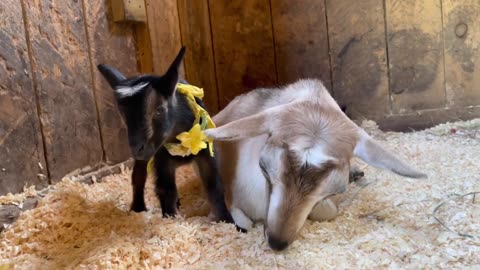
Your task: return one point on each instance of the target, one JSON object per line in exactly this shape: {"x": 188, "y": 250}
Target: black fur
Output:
{"x": 166, "y": 125}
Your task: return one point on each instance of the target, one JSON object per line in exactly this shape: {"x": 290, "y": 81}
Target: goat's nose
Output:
{"x": 276, "y": 243}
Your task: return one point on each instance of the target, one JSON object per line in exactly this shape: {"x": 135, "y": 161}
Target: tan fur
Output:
{"x": 291, "y": 149}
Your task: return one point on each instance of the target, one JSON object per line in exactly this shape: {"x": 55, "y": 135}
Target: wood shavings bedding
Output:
{"x": 386, "y": 224}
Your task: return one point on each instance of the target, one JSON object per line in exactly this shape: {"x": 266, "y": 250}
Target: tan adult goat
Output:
{"x": 284, "y": 154}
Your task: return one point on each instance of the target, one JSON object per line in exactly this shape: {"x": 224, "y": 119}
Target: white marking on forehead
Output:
{"x": 316, "y": 155}
{"x": 127, "y": 91}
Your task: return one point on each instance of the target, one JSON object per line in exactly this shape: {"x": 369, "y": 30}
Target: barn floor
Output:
{"x": 386, "y": 223}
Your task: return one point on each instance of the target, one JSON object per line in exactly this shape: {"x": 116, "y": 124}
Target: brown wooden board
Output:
{"x": 64, "y": 85}
{"x": 243, "y": 46}
{"x": 112, "y": 44}
{"x": 358, "y": 56}
{"x": 196, "y": 36}
{"x": 301, "y": 40}
{"x": 21, "y": 147}
{"x": 143, "y": 48}
{"x": 461, "y": 26}
{"x": 427, "y": 118}
{"x": 415, "y": 51}
{"x": 164, "y": 29}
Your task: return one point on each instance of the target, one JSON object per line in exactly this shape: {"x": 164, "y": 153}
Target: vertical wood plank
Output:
{"x": 243, "y": 46}
{"x": 64, "y": 84}
{"x": 164, "y": 30}
{"x": 110, "y": 43}
{"x": 415, "y": 50}
{"x": 21, "y": 146}
{"x": 143, "y": 48}
{"x": 462, "y": 52}
{"x": 301, "y": 40}
{"x": 358, "y": 56}
{"x": 196, "y": 36}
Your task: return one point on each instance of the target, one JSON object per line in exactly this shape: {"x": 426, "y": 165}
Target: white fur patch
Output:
{"x": 315, "y": 155}
{"x": 125, "y": 91}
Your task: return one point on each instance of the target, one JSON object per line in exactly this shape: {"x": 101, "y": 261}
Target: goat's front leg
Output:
{"x": 207, "y": 168}
{"x": 139, "y": 176}
{"x": 165, "y": 185}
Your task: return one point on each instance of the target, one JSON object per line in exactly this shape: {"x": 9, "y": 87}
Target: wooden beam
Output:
{"x": 427, "y": 118}
{"x": 129, "y": 11}
{"x": 415, "y": 51}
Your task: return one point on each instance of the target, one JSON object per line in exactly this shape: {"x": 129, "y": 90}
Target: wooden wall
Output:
{"x": 406, "y": 64}
{"x": 56, "y": 113}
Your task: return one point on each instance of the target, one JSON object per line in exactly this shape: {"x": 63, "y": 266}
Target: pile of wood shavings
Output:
{"x": 386, "y": 224}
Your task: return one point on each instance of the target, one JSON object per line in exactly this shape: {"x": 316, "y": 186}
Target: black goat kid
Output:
{"x": 155, "y": 113}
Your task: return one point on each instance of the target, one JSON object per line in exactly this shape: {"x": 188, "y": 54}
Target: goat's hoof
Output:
{"x": 169, "y": 214}
{"x": 138, "y": 208}
{"x": 240, "y": 229}
{"x": 356, "y": 175}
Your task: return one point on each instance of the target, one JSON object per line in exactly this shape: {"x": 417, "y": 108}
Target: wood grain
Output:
{"x": 164, "y": 30}
{"x": 358, "y": 56}
{"x": 426, "y": 119}
{"x": 301, "y": 40}
{"x": 415, "y": 50}
{"x": 112, "y": 44}
{"x": 21, "y": 147}
{"x": 64, "y": 84}
{"x": 243, "y": 46}
{"x": 196, "y": 36}
{"x": 462, "y": 52}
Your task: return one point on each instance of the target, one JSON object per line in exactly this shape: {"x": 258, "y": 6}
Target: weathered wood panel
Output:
{"x": 110, "y": 43}
{"x": 196, "y": 36}
{"x": 143, "y": 48}
{"x": 461, "y": 21}
{"x": 301, "y": 40}
{"x": 415, "y": 51}
{"x": 358, "y": 56}
{"x": 164, "y": 29}
{"x": 428, "y": 118}
{"x": 243, "y": 46}
{"x": 21, "y": 147}
{"x": 64, "y": 84}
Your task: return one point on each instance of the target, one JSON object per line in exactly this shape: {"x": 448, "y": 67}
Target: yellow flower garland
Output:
{"x": 194, "y": 140}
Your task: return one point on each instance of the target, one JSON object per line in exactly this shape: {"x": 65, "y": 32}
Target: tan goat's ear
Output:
{"x": 374, "y": 154}
{"x": 251, "y": 126}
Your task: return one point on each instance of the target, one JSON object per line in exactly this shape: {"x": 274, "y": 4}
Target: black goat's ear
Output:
{"x": 112, "y": 75}
{"x": 171, "y": 77}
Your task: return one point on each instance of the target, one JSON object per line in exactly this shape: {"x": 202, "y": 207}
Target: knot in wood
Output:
{"x": 461, "y": 30}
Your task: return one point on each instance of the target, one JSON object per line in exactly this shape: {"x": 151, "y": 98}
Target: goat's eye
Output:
{"x": 158, "y": 112}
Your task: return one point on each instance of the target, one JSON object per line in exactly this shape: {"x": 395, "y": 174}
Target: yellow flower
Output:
{"x": 195, "y": 139}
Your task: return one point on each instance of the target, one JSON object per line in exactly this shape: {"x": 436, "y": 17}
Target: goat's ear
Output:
{"x": 171, "y": 77}
{"x": 251, "y": 126}
{"x": 374, "y": 154}
{"x": 112, "y": 75}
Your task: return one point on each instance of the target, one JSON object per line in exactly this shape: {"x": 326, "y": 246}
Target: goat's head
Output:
{"x": 306, "y": 158}
{"x": 146, "y": 103}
